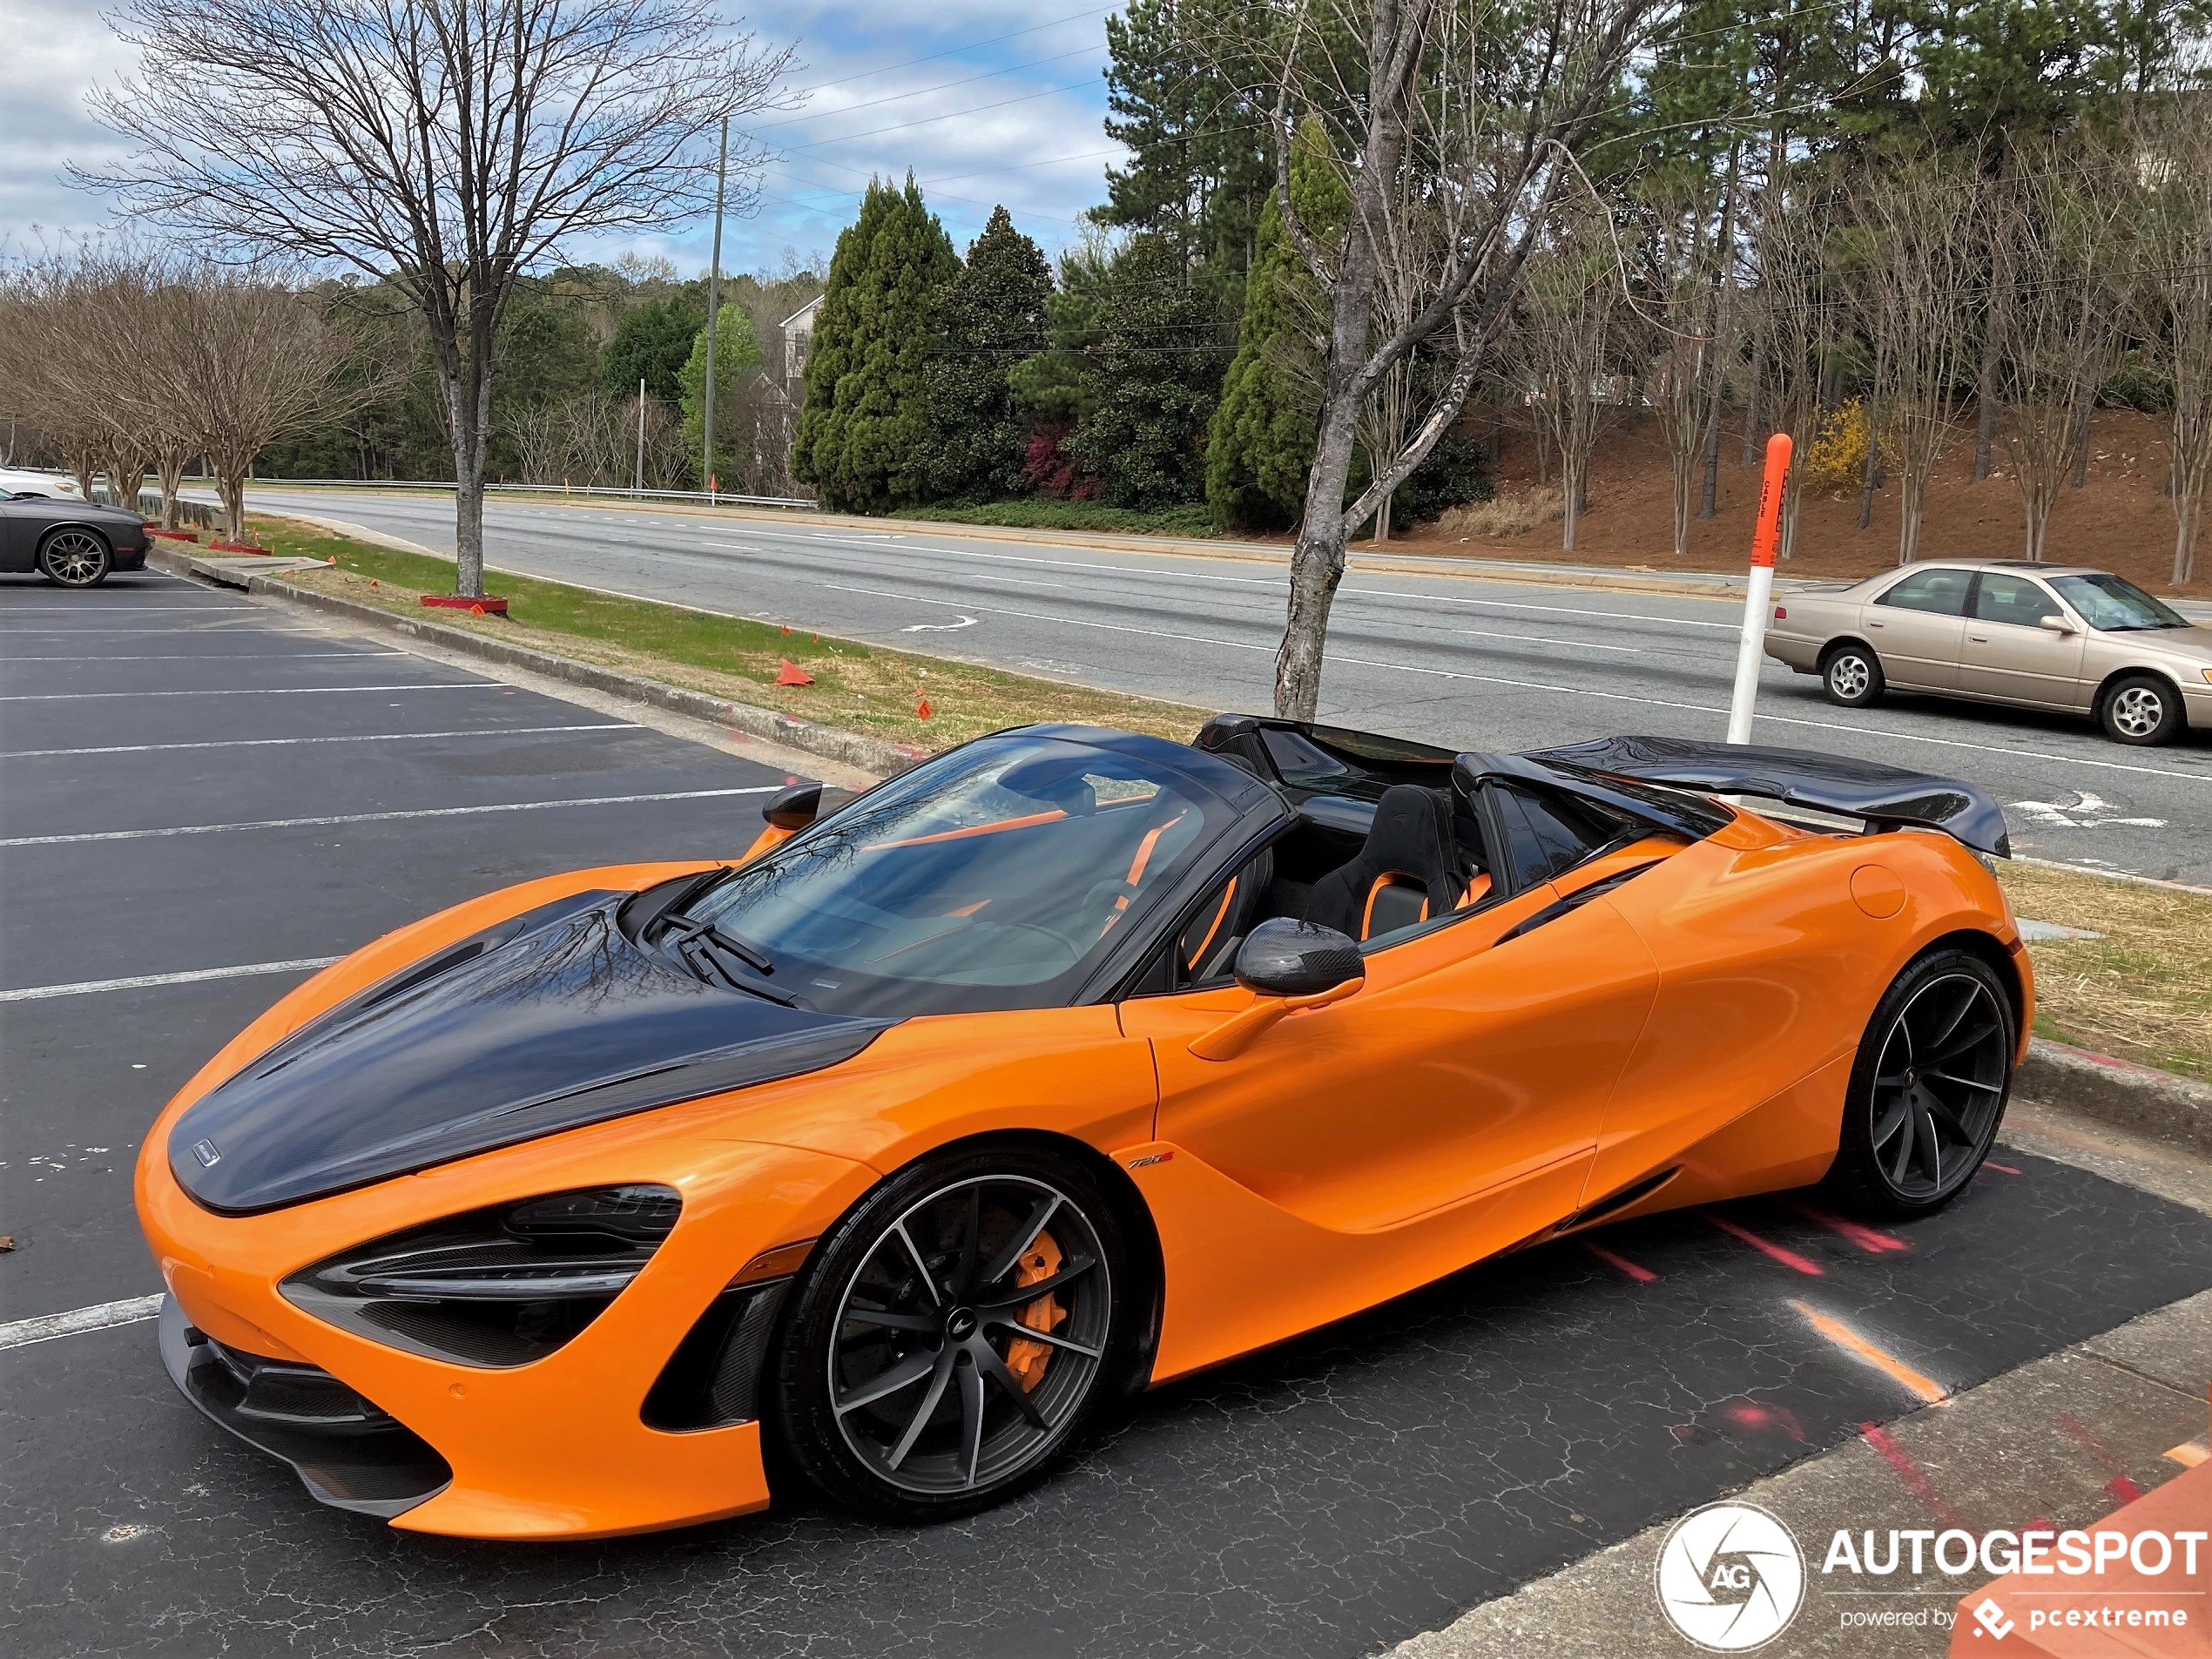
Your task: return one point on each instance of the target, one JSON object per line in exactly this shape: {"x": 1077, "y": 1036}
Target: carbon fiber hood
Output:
{"x": 542, "y": 1024}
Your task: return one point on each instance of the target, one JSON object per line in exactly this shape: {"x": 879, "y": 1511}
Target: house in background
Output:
{"x": 799, "y": 337}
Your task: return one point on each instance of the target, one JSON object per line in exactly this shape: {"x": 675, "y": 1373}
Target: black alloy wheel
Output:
{"x": 1929, "y": 1088}
{"x": 951, "y": 1335}
{"x": 1852, "y": 676}
{"x": 74, "y": 559}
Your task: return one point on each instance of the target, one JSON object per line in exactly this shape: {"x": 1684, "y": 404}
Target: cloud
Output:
{"x": 985, "y": 101}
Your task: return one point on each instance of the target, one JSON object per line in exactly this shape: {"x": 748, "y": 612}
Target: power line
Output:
{"x": 899, "y": 98}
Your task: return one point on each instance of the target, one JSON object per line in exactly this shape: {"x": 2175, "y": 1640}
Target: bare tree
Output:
{"x": 1470, "y": 113}
{"x": 1798, "y": 301}
{"x": 260, "y": 362}
{"x": 2174, "y": 297}
{"x": 443, "y": 147}
{"x": 59, "y": 315}
{"x": 1569, "y": 340}
{"x": 1924, "y": 225}
{"x": 1685, "y": 256}
{"x": 2057, "y": 241}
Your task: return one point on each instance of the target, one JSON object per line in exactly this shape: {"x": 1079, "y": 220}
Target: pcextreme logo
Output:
{"x": 1731, "y": 1577}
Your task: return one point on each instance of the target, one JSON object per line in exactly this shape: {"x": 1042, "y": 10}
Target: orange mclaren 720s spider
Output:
{"x": 1068, "y": 1062}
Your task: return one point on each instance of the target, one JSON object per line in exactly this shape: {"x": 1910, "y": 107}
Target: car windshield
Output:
{"x": 995, "y": 877}
{"x": 2112, "y": 604}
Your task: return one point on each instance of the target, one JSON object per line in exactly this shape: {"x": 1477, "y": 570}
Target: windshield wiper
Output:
{"x": 750, "y": 954}
{"x": 701, "y": 945}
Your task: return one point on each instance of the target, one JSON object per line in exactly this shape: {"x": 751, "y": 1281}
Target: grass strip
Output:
{"x": 2142, "y": 991}
{"x": 860, "y": 688}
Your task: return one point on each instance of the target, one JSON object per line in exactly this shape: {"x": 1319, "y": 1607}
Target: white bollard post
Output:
{"x": 1758, "y": 592}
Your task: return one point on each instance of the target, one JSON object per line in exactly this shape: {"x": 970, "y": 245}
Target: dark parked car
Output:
{"x": 76, "y": 543}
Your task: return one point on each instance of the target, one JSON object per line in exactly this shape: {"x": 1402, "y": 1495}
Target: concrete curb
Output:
{"x": 2157, "y": 1103}
{"x": 854, "y": 749}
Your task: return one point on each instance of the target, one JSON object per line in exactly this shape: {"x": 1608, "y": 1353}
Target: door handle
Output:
{"x": 1977, "y": 639}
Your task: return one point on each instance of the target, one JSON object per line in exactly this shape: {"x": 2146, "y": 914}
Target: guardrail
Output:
{"x": 715, "y": 498}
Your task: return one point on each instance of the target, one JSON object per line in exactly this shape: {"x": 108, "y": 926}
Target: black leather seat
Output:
{"x": 1410, "y": 869}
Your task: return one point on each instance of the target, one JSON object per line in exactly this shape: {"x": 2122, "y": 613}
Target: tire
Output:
{"x": 75, "y": 558}
{"x": 983, "y": 1411}
{"x": 2142, "y": 711}
{"x": 1852, "y": 675}
{"x": 1913, "y": 1135}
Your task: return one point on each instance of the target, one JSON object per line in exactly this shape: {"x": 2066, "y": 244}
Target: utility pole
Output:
{"x": 714, "y": 302}
{"x": 638, "y": 487}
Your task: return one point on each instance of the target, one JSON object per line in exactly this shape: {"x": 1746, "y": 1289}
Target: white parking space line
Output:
{"x": 140, "y": 981}
{"x": 1539, "y": 639}
{"x": 100, "y": 1317}
{"x": 204, "y": 657}
{"x": 255, "y": 690}
{"x": 379, "y": 818}
{"x": 359, "y": 737}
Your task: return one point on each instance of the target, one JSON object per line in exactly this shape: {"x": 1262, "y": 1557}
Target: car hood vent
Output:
{"x": 564, "y": 1024}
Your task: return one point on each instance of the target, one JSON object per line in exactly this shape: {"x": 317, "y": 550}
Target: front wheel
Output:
{"x": 2143, "y": 710}
{"x": 1852, "y": 675}
{"x": 953, "y": 1334}
{"x": 1929, "y": 1088}
{"x": 74, "y": 559}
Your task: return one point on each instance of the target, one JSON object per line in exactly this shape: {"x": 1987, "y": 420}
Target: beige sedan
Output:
{"x": 2039, "y": 636}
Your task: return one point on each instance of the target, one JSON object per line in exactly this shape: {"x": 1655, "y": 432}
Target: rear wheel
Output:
{"x": 74, "y": 558}
{"x": 1929, "y": 1088}
{"x": 1852, "y": 675}
{"x": 2143, "y": 710}
{"x": 953, "y": 1334}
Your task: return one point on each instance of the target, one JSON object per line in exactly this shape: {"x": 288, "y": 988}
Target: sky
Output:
{"x": 987, "y": 101}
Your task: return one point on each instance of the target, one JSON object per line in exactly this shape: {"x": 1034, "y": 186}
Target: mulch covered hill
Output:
{"x": 2119, "y": 520}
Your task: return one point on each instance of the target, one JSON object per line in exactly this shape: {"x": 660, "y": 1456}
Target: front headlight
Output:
{"x": 494, "y": 1287}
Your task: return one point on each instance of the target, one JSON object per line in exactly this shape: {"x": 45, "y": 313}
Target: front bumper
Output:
{"x": 556, "y": 1448}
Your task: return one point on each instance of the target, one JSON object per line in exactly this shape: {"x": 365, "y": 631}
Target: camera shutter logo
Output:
{"x": 1731, "y": 1577}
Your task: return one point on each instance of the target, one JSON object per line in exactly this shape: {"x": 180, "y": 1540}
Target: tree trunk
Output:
{"x": 172, "y": 477}
{"x": 1985, "y": 403}
{"x": 1317, "y": 566}
{"x": 2082, "y": 441}
{"x": 1912, "y": 500}
{"x": 2185, "y": 515}
{"x": 231, "y": 487}
{"x": 1570, "y": 491}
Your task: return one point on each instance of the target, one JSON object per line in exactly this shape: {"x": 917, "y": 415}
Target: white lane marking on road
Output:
{"x": 101, "y": 1316}
{"x": 380, "y": 817}
{"x": 939, "y": 627}
{"x": 205, "y": 657}
{"x": 2084, "y": 811}
{"x": 255, "y": 690}
{"x": 1539, "y": 639}
{"x": 1278, "y": 582}
{"x": 361, "y": 737}
{"x": 140, "y": 981}
{"x": 1567, "y": 690}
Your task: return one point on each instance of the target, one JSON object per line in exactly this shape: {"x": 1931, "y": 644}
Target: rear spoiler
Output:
{"x": 1884, "y": 797}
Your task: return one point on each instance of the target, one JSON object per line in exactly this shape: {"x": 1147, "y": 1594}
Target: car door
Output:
{"x": 2007, "y": 653}
{"x": 1477, "y": 1054}
{"x": 18, "y": 533}
{"x": 1917, "y": 626}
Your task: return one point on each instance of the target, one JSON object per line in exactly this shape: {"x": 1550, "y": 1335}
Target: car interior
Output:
{"x": 1377, "y": 857}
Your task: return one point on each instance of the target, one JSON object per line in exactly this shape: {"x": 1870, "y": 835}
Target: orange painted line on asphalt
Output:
{"x": 1642, "y": 1275}
{"x": 2189, "y": 1453}
{"x": 1867, "y": 1238}
{"x": 1930, "y": 1391}
{"x": 1788, "y": 1257}
{"x": 2001, "y": 1168}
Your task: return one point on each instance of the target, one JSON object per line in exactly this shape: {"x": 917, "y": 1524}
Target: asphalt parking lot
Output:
{"x": 191, "y": 783}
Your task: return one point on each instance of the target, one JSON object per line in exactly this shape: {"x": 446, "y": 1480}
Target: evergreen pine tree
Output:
{"x": 1152, "y": 381}
{"x": 994, "y": 319}
{"x": 1260, "y": 445}
{"x": 737, "y": 358}
{"x": 864, "y": 430}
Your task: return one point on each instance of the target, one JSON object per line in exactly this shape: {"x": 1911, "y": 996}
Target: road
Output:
{"x": 1473, "y": 664}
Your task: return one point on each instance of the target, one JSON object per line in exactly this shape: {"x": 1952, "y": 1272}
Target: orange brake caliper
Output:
{"x": 1027, "y": 1359}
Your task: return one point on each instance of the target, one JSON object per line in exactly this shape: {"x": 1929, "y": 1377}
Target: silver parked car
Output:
{"x": 2003, "y": 630}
